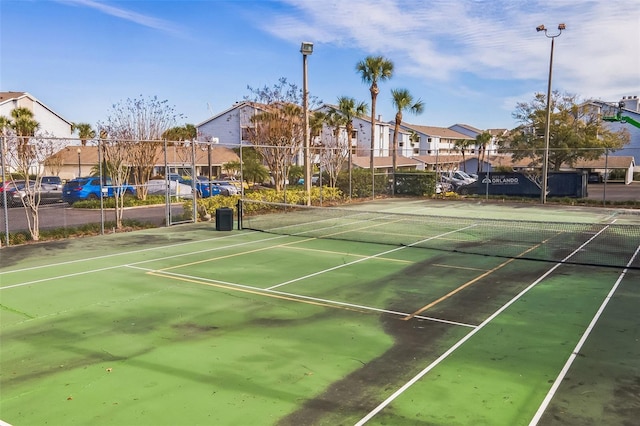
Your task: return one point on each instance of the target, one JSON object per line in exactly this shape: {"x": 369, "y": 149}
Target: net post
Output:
{"x": 239, "y": 208}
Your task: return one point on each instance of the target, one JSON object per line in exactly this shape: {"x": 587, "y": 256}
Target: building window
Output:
{"x": 246, "y": 133}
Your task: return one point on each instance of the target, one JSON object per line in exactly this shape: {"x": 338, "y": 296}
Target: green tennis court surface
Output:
{"x": 437, "y": 323}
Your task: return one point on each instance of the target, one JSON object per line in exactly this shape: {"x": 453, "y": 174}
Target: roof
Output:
{"x": 6, "y": 96}
{"x": 175, "y": 155}
{"x": 234, "y": 106}
{"x": 384, "y": 162}
{"x": 611, "y": 162}
{"x": 439, "y": 159}
{"x": 9, "y": 96}
{"x": 506, "y": 160}
{"x": 441, "y": 132}
{"x": 498, "y": 132}
{"x": 468, "y": 127}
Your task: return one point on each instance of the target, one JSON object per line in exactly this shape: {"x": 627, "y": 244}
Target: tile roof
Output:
{"x": 441, "y": 132}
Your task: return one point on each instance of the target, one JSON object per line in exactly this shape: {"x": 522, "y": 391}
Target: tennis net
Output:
{"x": 611, "y": 245}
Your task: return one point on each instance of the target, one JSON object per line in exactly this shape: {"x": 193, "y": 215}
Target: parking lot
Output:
{"x": 614, "y": 191}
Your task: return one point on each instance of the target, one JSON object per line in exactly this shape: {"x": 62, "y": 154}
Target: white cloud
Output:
{"x": 128, "y": 15}
{"x": 597, "y": 55}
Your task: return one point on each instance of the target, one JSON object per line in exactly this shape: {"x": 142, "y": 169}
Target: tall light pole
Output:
{"x": 79, "y": 171}
{"x": 306, "y": 49}
{"x": 545, "y": 161}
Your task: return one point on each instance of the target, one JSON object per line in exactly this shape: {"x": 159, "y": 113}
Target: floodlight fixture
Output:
{"x": 540, "y": 28}
{"x": 306, "y": 48}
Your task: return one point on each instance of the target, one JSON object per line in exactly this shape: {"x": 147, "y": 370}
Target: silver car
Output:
{"x": 226, "y": 187}
{"x": 49, "y": 193}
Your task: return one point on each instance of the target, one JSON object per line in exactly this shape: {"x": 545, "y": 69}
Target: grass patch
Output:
{"x": 89, "y": 229}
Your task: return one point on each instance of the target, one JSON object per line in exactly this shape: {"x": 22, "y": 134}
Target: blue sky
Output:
{"x": 470, "y": 61}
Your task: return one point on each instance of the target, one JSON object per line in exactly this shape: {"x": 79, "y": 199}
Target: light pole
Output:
{"x": 79, "y": 171}
{"x": 211, "y": 141}
{"x": 306, "y": 49}
{"x": 545, "y": 161}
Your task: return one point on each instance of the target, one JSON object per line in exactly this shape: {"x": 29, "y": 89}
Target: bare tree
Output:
{"x": 277, "y": 132}
{"x": 26, "y": 152}
{"x": 278, "y": 136}
{"x": 137, "y": 124}
{"x": 335, "y": 149}
{"x": 27, "y": 156}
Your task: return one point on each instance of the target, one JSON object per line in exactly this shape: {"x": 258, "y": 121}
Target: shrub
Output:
{"x": 361, "y": 183}
{"x": 290, "y": 196}
{"x": 110, "y": 202}
{"x": 416, "y": 183}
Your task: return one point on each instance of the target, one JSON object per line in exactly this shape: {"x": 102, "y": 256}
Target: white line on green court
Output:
{"x": 366, "y": 258}
{"x": 583, "y": 339}
{"x": 266, "y": 292}
{"x": 472, "y": 333}
{"x": 127, "y": 264}
{"x": 127, "y": 253}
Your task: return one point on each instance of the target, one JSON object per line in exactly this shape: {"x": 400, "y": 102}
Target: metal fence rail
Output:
{"x": 173, "y": 169}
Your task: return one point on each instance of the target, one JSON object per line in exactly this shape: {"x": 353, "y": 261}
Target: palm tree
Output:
{"x": 25, "y": 127}
{"x": 481, "y": 141}
{"x": 373, "y": 69}
{"x": 85, "y": 132}
{"x": 23, "y": 122}
{"x": 402, "y": 101}
{"x": 316, "y": 122}
{"x": 414, "y": 137}
{"x": 462, "y": 145}
{"x": 348, "y": 108}
{"x": 5, "y": 123}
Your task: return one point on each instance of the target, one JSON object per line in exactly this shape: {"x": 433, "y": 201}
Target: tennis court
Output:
{"x": 386, "y": 313}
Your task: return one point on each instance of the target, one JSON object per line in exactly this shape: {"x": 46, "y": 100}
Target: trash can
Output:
{"x": 224, "y": 219}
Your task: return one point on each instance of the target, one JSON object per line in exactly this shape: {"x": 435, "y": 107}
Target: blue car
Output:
{"x": 203, "y": 189}
{"x": 89, "y": 189}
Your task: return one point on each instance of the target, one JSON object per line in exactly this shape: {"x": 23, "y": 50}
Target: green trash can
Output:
{"x": 224, "y": 219}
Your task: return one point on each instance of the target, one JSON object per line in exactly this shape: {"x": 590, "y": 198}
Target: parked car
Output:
{"x": 176, "y": 189}
{"x": 203, "y": 189}
{"x": 469, "y": 188}
{"x": 226, "y": 187}
{"x": 49, "y": 193}
{"x": 456, "y": 179}
{"x": 88, "y": 188}
{"x": 315, "y": 180}
{"x": 7, "y": 186}
{"x": 52, "y": 180}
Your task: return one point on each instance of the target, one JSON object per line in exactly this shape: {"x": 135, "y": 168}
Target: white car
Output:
{"x": 226, "y": 187}
{"x": 456, "y": 178}
{"x": 176, "y": 189}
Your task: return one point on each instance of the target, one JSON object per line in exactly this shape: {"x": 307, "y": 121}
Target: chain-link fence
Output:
{"x": 71, "y": 186}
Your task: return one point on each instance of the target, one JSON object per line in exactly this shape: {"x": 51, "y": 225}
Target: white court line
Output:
{"x": 106, "y": 256}
{"x": 366, "y": 258}
{"x": 583, "y": 339}
{"x": 135, "y": 263}
{"x": 460, "y": 342}
{"x": 168, "y": 274}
